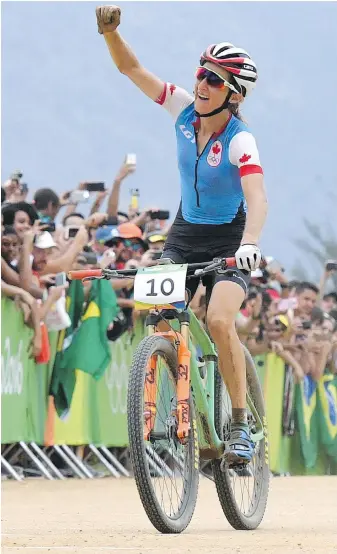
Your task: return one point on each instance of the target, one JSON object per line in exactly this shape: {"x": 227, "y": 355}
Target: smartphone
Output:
{"x": 306, "y": 325}
{"x": 134, "y": 204}
{"x": 70, "y": 232}
{"x": 156, "y": 255}
{"x": 49, "y": 226}
{"x": 87, "y": 258}
{"x": 331, "y": 265}
{"x": 131, "y": 159}
{"x": 90, "y": 257}
{"x": 79, "y": 196}
{"x": 160, "y": 214}
{"x": 16, "y": 175}
{"x": 24, "y": 188}
{"x": 60, "y": 279}
{"x": 96, "y": 186}
{"x": 112, "y": 220}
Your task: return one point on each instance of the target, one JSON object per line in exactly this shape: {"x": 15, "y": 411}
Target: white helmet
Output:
{"x": 236, "y": 61}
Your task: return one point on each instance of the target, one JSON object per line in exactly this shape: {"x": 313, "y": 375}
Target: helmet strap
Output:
{"x": 224, "y": 106}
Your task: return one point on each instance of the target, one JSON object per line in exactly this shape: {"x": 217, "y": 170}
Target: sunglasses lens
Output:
{"x": 212, "y": 79}
{"x": 200, "y": 73}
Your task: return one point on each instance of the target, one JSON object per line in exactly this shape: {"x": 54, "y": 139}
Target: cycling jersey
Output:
{"x": 211, "y": 189}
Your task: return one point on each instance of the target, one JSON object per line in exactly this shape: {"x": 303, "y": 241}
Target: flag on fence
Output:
{"x": 305, "y": 404}
{"x": 84, "y": 345}
{"x": 327, "y": 413}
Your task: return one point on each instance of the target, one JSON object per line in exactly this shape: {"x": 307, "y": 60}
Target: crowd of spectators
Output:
{"x": 50, "y": 235}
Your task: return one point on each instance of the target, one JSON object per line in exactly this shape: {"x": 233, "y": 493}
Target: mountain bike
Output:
{"x": 179, "y": 409}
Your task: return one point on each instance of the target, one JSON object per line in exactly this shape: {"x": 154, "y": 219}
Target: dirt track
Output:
{"x": 106, "y": 516}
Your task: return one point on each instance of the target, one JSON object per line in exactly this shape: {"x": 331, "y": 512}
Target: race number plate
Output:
{"x": 161, "y": 285}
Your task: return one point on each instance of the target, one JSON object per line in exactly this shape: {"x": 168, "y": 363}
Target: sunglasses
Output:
{"x": 130, "y": 244}
{"x": 213, "y": 79}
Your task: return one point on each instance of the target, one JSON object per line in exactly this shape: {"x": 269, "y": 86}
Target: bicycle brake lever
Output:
{"x": 91, "y": 278}
{"x": 215, "y": 265}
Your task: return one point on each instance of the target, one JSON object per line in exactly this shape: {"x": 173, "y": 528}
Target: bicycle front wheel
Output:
{"x": 166, "y": 471}
{"x": 242, "y": 491}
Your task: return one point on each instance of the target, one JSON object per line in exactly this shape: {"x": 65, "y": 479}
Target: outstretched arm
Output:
{"x": 108, "y": 19}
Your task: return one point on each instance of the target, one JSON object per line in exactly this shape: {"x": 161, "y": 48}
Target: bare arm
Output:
{"x": 12, "y": 278}
{"x": 113, "y": 201}
{"x": 254, "y": 192}
{"x": 322, "y": 284}
{"x": 108, "y": 19}
{"x": 65, "y": 262}
{"x": 128, "y": 64}
{"x": 118, "y": 284}
{"x": 54, "y": 294}
{"x": 25, "y": 269}
{"x": 321, "y": 360}
{"x": 125, "y": 303}
{"x": 100, "y": 197}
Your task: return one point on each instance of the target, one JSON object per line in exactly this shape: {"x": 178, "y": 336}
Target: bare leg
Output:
{"x": 224, "y": 305}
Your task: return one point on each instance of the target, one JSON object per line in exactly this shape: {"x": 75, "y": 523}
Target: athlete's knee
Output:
{"x": 221, "y": 326}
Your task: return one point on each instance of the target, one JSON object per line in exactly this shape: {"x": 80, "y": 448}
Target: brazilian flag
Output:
{"x": 327, "y": 413}
{"x": 306, "y": 417}
{"x": 84, "y": 345}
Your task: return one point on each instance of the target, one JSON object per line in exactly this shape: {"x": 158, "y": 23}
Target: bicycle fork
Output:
{"x": 180, "y": 341}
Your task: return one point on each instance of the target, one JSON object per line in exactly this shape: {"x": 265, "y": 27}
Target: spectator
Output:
{"x": 31, "y": 314}
{"x": 156, "y": 241}
{"x": 47, "y": 204}
{"x": 20, "y": 215}
{"x": 307, "y": 294}
{"x": 10, "y": 245}
{"x": 14, "y": 191}
{"x": 329, "y": 302}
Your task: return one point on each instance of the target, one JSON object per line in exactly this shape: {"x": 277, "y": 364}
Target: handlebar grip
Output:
{"x": 230, "y": 262}
{"x": 84, "y": 273}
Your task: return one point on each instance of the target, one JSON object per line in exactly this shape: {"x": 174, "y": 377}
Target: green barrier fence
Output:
{"x": 98, "y": 409}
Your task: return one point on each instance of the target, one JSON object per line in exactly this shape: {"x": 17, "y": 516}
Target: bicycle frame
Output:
{"x": 191, "y": 333}
{"x": 186, "y": 338}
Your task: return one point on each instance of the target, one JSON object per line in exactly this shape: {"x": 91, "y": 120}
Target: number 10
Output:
{"x": 162, "y": 287}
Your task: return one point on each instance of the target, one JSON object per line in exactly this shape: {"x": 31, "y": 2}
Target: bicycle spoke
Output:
{"x": 170, "y": 487}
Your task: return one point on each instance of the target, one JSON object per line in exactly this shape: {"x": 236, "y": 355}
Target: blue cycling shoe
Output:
{"x": 240, "y": 448}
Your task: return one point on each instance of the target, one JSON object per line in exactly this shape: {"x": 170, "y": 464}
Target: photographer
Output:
{"x": 327, "y": 301}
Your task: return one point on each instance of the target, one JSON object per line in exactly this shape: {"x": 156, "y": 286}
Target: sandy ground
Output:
{"x": 105, "y": 515}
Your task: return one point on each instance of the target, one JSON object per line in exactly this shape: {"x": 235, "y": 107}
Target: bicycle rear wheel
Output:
{"x": 166, "y": 471}
{"x": 243, "y": 491}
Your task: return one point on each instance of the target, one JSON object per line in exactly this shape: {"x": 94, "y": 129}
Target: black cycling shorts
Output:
{"x": 194, "y": 243}
{"x": 179, "y": 256}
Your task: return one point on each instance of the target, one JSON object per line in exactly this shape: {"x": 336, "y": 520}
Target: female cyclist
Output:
{"x": 223, "y": 203}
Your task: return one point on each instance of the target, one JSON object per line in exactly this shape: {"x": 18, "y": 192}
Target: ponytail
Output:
{"x": 235, "y": 110}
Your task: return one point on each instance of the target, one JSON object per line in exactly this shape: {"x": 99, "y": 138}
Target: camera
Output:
{"x": 162, "y": 215}
{"x": 60, "y": 279}
{"x": 48, "y": 226}
{"x": 331, "y": 265}
{"x": 95, "y": 187}
{"x": 306, "y": 325}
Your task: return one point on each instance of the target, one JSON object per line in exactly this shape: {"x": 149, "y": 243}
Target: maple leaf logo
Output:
{"x": 172, "y": 89}
{"x": 244, "y": 158}
{"x": 216, "y": 149}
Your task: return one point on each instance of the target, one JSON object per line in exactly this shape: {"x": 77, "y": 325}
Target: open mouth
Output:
{"x": 202, "y": 97}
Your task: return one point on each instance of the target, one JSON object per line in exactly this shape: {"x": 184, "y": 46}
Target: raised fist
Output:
{"x": 108, "y": 18}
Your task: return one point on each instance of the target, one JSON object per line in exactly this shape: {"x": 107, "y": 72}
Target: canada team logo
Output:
{"x": 215, "y": 154}
{"x": 245, "y": 158}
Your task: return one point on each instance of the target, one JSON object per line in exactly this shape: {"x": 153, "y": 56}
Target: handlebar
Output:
{"x": 78, "y": 275}
{"x": 197, "y": 269}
